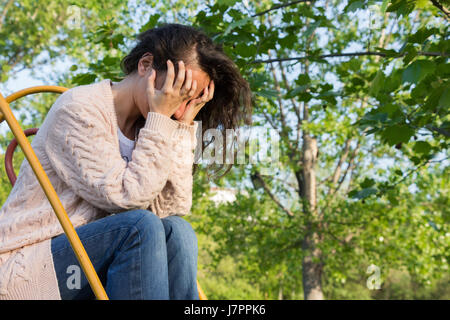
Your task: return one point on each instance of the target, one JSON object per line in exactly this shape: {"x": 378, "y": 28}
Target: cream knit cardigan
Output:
{"x": 78, "y": 148}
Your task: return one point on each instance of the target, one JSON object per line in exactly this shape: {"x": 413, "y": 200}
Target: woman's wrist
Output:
{"x": 186, "y": 122}
{"x": 186, "y": 132}
{"x": 160, "y": 122}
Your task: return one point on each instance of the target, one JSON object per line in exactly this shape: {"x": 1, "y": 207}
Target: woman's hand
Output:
{"x": 167, "y": 100}
{"x": 194, "y": 106}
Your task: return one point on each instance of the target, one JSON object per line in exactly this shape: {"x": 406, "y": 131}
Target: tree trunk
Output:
{"x": 311, "y": 269}
{"x": 311, "y": 264}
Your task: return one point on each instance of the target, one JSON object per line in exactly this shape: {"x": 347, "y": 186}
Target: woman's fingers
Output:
{"x": 193, "y": 106}
{"x": 193, "y": 89}
{"x": 188, "y": 83}
{"x": 168, "y": 83}
{"x": 168, "y": 99}
{"x": 205, "y": 95}
{"x": 183, "y": 74}
{"x": 151, "y": 83}
{"x": 208, "y": 94}
{"x": 180, "y": 76}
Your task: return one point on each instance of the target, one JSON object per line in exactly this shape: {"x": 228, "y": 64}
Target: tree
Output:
{"x": 31, "y": 36}
{"x": 325, "y": 154}
{"x": 357, "y": 92}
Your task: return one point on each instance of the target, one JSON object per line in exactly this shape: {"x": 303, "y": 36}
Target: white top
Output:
{"x": 126, "y": 145}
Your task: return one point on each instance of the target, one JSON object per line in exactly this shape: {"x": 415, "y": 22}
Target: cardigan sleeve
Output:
{"x": 81, "y": 149}
{"x": 176, "y": 196}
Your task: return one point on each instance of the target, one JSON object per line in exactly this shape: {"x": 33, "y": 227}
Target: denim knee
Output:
{"x": 149, "y": 221}
{"x": 145, "y": 221}
{"x": 181, "y": 234}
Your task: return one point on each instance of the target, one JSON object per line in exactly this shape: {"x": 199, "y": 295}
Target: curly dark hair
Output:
{"x": 231, "y": 105}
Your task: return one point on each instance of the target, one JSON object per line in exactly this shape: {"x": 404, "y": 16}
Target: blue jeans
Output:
{"x": 137, "y": 256}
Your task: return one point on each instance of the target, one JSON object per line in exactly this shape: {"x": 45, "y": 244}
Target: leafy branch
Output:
{"x": 258, "y": 179}
{"x": 441, "y": 8}
{"x": 390, "y": 54}
{"x": 279, "y": 6}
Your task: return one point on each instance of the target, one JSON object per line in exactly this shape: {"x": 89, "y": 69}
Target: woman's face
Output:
{"x": 141, "y": 99}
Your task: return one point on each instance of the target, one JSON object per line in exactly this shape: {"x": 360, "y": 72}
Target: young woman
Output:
{"x": 120, "y": 158}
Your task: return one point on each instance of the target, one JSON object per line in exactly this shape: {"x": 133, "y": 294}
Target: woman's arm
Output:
{"x": 81, "y": 149}
{"x": 176, "y": 196}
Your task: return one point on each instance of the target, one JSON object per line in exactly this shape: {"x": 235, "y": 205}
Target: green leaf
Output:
{"x": 367, "y": 183}
{"x": 109, "y": 61}
{"x": 364, "y": 193}
{"x": 236, "y": 24}
{"x": 228, "y": 3}
{"x": 267, "y": 93}
{"x": 303, "y": 79}
{"x": 434, "y": 98}
{"x": 85, "y": 78}
{"x": 393, "y": 199}
{"x": 289, "y": 41}
{"x": 245, "y": 49}
{"x": 418, "y": 70}
{"x": 151, "y": 23}
{"x": 384, "y": 6}
{"x": 388, "y": 52}
{"x": 310, "y": 29}
{"x": 375, "y": 117}
{"x": 395, "y": 5}
{"x": 411, "y": 53}
{"x": 444, "y": 101}
{"x": 401, "y": 7}
{"x": 304, "y": 96}
{"x": 354, "y": 5}
{"x": 393, "y": 81}
{"x": 420, "y": 4}
{"x": 377, "y": 83}
{"x": 415, "y": 160}
{"x": 352, "y": 194}
{"x": 422, "y": 34}
{"x": 422, "y": 147}
{"x": 397, "y": 133}
{"x": 296, "y": 91}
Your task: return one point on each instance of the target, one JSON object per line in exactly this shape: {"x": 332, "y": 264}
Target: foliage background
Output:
{"x": 366, "y": 80}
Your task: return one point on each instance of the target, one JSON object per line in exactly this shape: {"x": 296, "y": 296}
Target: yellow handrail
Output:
{"x": 201, "y": 294}
{"x": 77, "y": 246}
{"x": 31, "y": 90}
